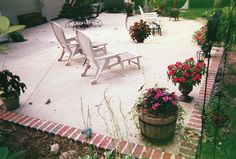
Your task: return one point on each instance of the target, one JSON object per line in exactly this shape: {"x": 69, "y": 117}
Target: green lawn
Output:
{"x": 193, "y": 13}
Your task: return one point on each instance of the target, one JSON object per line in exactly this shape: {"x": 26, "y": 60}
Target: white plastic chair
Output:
{"x": 72, "y": 45}
{"x": 102, "y": 61}
{"x": 151, "y": 18}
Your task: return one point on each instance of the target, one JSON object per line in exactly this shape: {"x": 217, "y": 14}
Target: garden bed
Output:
{"x": 37, "y": 144}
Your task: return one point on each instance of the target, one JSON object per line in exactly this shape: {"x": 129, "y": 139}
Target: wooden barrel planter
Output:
{"x": 157, "y": 128}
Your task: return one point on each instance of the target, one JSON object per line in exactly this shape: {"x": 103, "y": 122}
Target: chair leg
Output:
{"x": 138, "y": 62}
{"x": 122, "y": 68}
{"x": 99, "y": 70}
{"x": 62, "y": 54}
{"x": 70, "y": 58}
{"x": 85, "y": 71}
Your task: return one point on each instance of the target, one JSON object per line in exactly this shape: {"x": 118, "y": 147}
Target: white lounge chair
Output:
{"x": 152, "y": 19}
{"x": 71, "y": 45}
{"x": 103, "y": 61}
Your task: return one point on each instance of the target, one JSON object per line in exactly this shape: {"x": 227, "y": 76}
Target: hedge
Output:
{"x": 201, "y": 3}
{"x": 179, "y": 4}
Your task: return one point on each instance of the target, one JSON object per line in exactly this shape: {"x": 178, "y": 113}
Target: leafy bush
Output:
{"x": 201, "y": 3}
{"x": 114, "y": 6}
{"x": 138, "y": 3}
{"x": 179, "y": 3}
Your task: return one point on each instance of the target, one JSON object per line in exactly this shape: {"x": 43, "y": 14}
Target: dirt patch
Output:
{"x": 37, "y": 144}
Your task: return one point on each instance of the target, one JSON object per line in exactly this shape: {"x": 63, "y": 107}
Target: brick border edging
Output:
{"x": 75, "y": 134}
{"x": 195, "y": 121}
{"x": 196, "y": 116}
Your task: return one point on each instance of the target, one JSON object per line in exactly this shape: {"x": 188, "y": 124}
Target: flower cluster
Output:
{"x": 188, "y": 72}
{"x": 139, "y": 31}
{"x": 199, "y": 36}
{"x": 159, "y": 102}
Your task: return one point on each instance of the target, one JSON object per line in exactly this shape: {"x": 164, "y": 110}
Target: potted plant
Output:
{"x": 140, "y": 31}
{"x": 10, "y": 89}
{"x": 199, "y": 37}
{"x": 187, "y": 74}
{"x": 157, "y": 112}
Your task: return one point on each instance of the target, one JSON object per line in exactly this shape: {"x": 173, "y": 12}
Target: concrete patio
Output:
{"x": 35, "y": 61}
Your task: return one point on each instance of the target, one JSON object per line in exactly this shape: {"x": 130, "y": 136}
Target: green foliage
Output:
{"x": 4, "y": 134}
{"x": 114, "y": 6}
{"x": 138, "y": 3}
{"x": 6, "y": 154}
{"x": 17, "y": 37}
{"x": 201, "y": 3}
{"x": 139, "y": 31}
{"x": 193, "y": 13}
{"x": 179, "y": 3}
{"x": 10, "y": 84}
{"x": 227, "y": 27}
{"x": 225, "y": 3}
{"x": 5, "y": 27}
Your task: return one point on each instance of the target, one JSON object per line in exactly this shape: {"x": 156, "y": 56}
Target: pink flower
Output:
{"x": 159, "y": 94}
{"x": 166, "y": 98}
{"x": 154, "y": 106}
{"x": 174, "y": 102}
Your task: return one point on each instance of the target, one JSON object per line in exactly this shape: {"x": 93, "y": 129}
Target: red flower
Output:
{"x": 187, "y": 72}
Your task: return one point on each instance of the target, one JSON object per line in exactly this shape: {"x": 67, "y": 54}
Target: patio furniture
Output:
{"x": 151, "y": 18}
{"x": 71, "y": 45}
{"x": 103, "y": 61}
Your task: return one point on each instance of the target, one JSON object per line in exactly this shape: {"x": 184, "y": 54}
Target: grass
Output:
{"x": 193, "y": 13}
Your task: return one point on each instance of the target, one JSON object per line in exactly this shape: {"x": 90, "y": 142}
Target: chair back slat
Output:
{"x": 86, "y": 45}
{"x": 59, "y": 33}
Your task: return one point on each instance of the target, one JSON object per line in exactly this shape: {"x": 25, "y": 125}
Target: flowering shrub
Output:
{"x": 199, "y": 36}
{"x": 188, "y": 72}
{"x": 158, "y": 102}
{"x": 139, "y": 31}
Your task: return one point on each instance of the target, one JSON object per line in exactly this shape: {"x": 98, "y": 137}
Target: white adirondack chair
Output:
{"x": 71, "y": 45}
{"x": 102, "y": 61}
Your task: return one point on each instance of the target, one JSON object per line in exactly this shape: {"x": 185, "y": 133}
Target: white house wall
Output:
{"x": 51, "y": 8}
{"x": 13, "y": 8}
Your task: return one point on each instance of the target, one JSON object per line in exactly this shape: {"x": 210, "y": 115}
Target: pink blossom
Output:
{"x": 159, "y": 94}
{"x": 166, "y": 98}
{"x": 174, "y": 102}
{"x": 154, "y": 106}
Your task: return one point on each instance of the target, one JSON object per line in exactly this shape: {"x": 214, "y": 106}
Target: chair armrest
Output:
{"x": 109, "y": 56}
{"x": 151, "y": 14}
{"x": 97, "y": 44}
{"x": 71, "y": 39}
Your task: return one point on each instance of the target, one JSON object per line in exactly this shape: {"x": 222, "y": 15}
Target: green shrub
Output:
{"x": 179, "y": 3}
{"x": 201, "y": 3}
{"x": 225, "y": 3}
{"x": 114, "y": 6}
{"x": 138, "y": 3}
